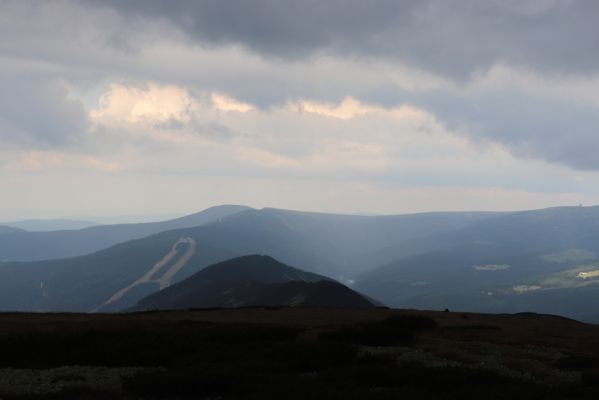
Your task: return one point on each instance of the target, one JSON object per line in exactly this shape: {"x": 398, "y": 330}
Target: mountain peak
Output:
{"x": 254, "y": 280}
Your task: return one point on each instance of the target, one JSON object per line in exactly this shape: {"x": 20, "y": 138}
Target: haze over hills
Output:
{"x": 543, "y": 261}
{"x": 31, "y": 246}
{"x": 46, "y": 225}
{"x": 4, "y": 229}
{"x": 540, "y": 260}
{"x": 253, "y": 281}
{"x": 332, "y": 245}
{"x": 87, "y": 283}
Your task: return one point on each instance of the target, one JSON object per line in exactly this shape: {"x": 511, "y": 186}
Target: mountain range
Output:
{"x": 540, "y": 260}
{"x": 47, "y": 225}
{"x": 543, "y": 261}
{"x": 333, "y": 245}
{"x": 22, "y": 245}
{"x": 5, "y": 229}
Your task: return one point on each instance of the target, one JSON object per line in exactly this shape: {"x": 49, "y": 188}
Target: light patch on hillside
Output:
{"x": 570, "y": 255}
{"x": 525, "y": 288}
{"x": 297, "y": 300}
{"x": 581, "y": 275}
{"x": 491, "y": 267}
{"x": 589, "y": 274}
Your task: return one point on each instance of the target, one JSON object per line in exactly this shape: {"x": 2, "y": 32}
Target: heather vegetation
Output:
{"x": 292, "y": 353}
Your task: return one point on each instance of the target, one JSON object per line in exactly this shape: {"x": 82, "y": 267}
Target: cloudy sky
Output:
{"x": 167, "y": 107}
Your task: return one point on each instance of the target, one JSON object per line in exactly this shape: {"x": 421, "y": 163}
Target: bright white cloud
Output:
{"x": 150, "y": 105}
{"x": 223, "y": 102}
{"x": 300, "y": 136}
{"x": 348, "y": 108}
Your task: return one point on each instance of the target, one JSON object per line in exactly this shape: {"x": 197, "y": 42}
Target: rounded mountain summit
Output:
{"x": 254, "y": 281}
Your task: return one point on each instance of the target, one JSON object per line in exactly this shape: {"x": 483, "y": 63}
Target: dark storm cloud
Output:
{"x": 39, "y": 114}
{"x": 104, "y": 41}
{"x": 531, "y": 126}
{"x": 452, "y": 38}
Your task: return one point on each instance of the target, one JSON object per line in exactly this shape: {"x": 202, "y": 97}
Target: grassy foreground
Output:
{"x": 296, "y": 354}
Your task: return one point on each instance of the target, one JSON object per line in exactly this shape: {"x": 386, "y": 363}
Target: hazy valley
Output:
{"x": 532, "y": 261}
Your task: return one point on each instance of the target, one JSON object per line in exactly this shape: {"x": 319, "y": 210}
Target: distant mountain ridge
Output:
{"x": 33, "y": 246}
{"x": 250, "y": 281}
{"x": 5, "y": 229}
{"x": 338, "y": 245}
{"x": 47, "y": 225}
{"x": 544, "y": 261}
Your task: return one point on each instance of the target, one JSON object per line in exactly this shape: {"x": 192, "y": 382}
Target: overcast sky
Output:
{"x": 168, "y": 107}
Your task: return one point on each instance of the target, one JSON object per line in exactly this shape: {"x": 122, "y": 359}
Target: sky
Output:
{"x": 385, "y": 107}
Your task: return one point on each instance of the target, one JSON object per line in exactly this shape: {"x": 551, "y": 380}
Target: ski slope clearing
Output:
{"x": 151, "y": 275}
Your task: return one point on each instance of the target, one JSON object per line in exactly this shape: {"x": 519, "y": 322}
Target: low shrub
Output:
{"x": 411, "y": 322}
{"x": 182, "y": 382}
{"x": 315, "y": 356}
{"x": 397, "y": 330}
{"x": 574, "y": 363}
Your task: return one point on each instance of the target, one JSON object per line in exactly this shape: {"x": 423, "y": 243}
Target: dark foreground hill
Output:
{"x": 253, "y": 281}
{"x": 296, "y": 353}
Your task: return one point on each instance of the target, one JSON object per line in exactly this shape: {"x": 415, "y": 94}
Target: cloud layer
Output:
{"x": 404, "y": 106}
{"x": 455, "y": 37}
